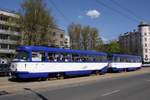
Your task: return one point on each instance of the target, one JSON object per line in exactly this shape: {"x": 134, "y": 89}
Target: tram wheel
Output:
{"x": 60, "y": 76}
{"x": 97, "y": 72}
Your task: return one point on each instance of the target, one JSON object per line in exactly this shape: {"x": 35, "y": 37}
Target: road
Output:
{"x": 133, "y": 87}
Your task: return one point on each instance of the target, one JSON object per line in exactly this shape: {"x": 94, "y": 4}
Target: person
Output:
{"x": 51, "y": 58}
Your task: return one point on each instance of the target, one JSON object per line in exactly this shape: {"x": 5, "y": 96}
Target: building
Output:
{"x": 59, "y": 39}
{"x": 137, "y": 42}
{"x": 67, "y": 42}
{"x": 9, "y": 33}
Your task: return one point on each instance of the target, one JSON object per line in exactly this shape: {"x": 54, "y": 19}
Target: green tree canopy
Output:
{"x": 112, "y": 47}
{"x": 36, "y": 21}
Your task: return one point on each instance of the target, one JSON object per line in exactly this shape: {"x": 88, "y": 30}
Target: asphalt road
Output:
{"x": 126, "y": 88}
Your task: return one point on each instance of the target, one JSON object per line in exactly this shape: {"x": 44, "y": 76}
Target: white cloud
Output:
{"x": 93, "y": 14}
{"x": 105, "y": 40}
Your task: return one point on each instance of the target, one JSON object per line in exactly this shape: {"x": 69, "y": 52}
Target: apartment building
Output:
{"x": 137, "y": 42}
{"x": 9, "y": 33}
{"x": 59, "y": 39}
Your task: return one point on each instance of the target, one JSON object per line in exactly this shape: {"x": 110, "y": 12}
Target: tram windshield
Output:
{"x": 21, "y": 56}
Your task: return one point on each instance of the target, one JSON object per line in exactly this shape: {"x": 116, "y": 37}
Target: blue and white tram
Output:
{"x": 44, "y": 62}
{"x": 122, "y": 62}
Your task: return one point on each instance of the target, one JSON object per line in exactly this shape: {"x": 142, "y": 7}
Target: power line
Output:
{"x": 61, "y": 13}
{"x": 126, "y": 9}
{"x": 115, "y": 10}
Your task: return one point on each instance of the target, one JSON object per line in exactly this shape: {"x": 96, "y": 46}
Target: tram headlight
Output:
{"x": 13, "y": 67}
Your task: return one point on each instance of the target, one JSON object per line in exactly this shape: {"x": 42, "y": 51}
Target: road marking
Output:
{"x": 109, "y": 93}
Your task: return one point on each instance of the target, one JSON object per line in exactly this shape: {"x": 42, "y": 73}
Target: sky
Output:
{"x": 110, "y": 17}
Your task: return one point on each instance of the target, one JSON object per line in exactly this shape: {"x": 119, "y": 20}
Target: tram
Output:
{"x": 45, "y": 62}
{"x": 123, "y": 62}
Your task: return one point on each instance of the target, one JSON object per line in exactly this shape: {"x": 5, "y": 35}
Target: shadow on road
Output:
{"x": 24, "y": 80}
{"x": 3, "y": 93}
{"x": 38, "y": 94}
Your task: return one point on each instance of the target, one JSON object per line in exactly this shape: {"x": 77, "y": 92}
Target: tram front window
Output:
{"x": 22, "y": 56}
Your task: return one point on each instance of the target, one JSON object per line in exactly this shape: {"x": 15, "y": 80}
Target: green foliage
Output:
{"x": 35, "y": 22}
{"x": 112, "y": 47}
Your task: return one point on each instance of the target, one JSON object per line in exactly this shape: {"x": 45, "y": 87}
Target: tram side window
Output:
{"x": 75, "y": 58}
{"x": 131, "y": 60}
{"x": 59, "y": 57}
{"x": 138, "y": 60}
{"x": 128, "y": 60}
{"x": 104, "y": 58}
{"x": 51, "y": 57}
{"x": 116, "y": 59}
{"x": 36, "y": 56}
{"x": 122, "y": 59}
{"x": 134, "y": 60}
{"x": 99, "y": 58}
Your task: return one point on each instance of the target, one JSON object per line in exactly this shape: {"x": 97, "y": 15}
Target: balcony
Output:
{"x": 8, "y": 41}
{"x": 12, "y": 51}
{"x": 8, "y": 32}
{"x": 8, "y": 23}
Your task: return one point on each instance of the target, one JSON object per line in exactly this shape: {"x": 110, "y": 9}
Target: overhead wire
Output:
{"x": 61, "y": 13}
{"x": 127, "y": 10}
{"x": 116, "y": 10}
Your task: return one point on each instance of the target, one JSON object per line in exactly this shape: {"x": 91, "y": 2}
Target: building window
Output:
{"x": 12, "y": 47}
{"x": 54, "y": 33}
{"x": 3, "y": 36}
{"x": 145, "y": 39}
{"x": 145, "y": 50}
{"x": 61, "y": 35}
{"x": 4, "y": 46}
{"x": 146, "y": 57}
{"x": 145, "y": 45}
{"x": 4, "y": 18}
{"x": 4, "y": 27}
{"x": 61, "y": 43}
{"x": 145, "y": 34}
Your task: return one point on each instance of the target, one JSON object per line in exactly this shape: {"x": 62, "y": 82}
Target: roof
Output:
{"x": 61, "y": 50}
{"x": 9, "y": 11}
{"x": 143, "y": 23}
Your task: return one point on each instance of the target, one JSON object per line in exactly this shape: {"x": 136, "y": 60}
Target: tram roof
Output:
{"x": 60, "y": 50}
{"x": 125, "y": 55}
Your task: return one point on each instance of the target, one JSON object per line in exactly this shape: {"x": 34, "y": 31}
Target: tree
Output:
{"x": 95, "y": 40}
{"x": 35, "y": 21}
{"x": 84, "y": 37}
{"x": 112, "y": 47}
{"x": 74, "y": 31}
